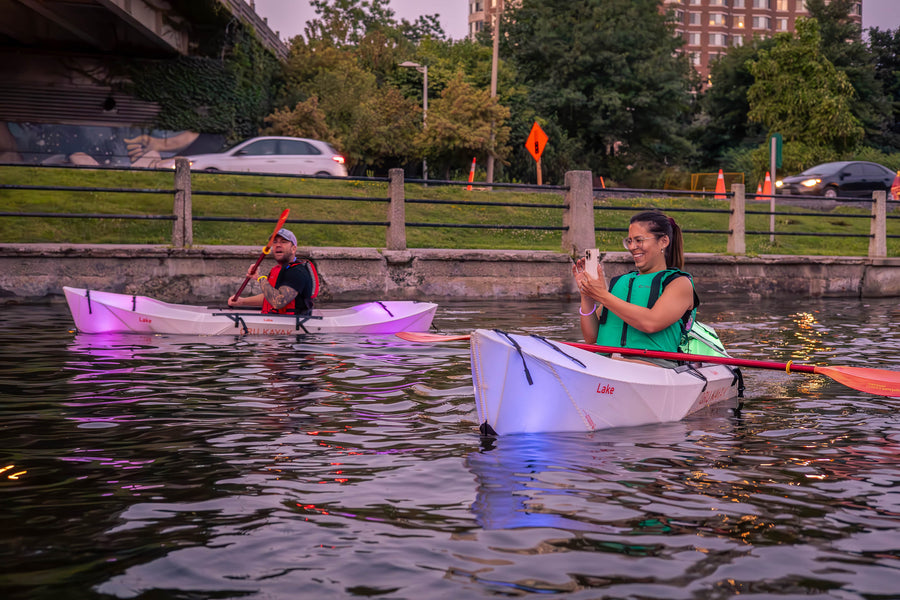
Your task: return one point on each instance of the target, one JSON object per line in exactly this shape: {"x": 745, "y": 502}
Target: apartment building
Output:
{"x": 709, "y": 27}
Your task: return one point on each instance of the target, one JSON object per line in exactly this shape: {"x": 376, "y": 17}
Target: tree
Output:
{"x": 722, "y": 125}
{"x": 425, "y": 26}
{"x": 347, "y": 22}
{"x": 342, "y": 103}
{"x": 471, "y": 62}
{"x": 459, "y": 126}
{"x": 885, "y": 48}
{"x": 609, "y": 72}
{"x": 800, "y": 94}
{"x": 347, "y": 72}
{"x": 306, "y": 119}
{"x": 386, "y": 129}
{"x": 841, "y": 43}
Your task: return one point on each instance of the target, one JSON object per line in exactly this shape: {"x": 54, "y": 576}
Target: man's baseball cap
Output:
{"x": 288, "y": 235}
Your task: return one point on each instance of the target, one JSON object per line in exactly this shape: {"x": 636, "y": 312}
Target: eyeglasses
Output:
{"x": 638, "y": 241}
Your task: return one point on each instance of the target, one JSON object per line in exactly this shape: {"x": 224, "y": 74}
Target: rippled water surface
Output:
{"x": 336, "y": 467}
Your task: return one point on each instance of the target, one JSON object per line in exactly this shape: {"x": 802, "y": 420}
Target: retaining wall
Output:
{"x": 29, "y": 272}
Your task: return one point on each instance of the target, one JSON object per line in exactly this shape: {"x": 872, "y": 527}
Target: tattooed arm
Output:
{"x": 280, "y": 297}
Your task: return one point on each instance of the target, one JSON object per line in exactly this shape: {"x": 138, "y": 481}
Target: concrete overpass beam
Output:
{"x": 151, "y": 17}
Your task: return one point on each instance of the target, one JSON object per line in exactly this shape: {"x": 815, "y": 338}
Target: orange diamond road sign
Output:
{"x": 536, "y": 141}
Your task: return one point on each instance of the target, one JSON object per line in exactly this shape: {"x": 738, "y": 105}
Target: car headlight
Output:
{"x": 172, "y": 164}
{"x": 779, "y": 183}
{"x": 810, "y": 182}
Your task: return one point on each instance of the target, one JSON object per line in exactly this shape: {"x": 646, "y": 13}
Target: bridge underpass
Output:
{"x": 57, "y": 58}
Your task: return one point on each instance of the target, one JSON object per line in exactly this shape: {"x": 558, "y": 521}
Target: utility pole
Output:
{"x": 494, "y": 60}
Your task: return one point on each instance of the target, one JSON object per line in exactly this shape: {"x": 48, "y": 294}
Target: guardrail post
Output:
{"x": 396, "y": 231}
{"x": 578, "y": 215}
{"x": 183, "y": 229}
{"x": 878, "y": 228}
{"x": 737, "y": 221}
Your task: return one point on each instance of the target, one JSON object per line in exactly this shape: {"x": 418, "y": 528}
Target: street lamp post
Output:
{"x": 423, "y": 69}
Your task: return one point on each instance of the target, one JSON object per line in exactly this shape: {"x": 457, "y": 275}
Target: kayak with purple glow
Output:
{"x": 107, "y": 312}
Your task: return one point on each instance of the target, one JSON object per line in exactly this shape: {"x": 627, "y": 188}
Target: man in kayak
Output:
{"x": 649, "y": 308}
{"x": 290, "y": 286}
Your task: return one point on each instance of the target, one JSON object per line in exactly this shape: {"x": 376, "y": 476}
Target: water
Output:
{"x": 338, "y": 467}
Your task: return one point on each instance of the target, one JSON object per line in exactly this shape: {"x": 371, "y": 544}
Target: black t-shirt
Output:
{"x": 297, "y": 276}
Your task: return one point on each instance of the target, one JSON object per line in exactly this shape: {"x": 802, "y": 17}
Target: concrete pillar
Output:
{"x": 878, "y": 228}
{"x": 396, "y": 231}
{"x": 183, "y": 229}
{"x": 737, "y": 224}
{"x": 579, "y": 214}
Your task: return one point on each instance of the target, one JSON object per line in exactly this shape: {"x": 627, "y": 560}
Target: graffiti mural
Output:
{"x": 102, "y": 146}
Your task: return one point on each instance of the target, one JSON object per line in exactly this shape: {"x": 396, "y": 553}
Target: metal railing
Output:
{"x": 578, "y": 207}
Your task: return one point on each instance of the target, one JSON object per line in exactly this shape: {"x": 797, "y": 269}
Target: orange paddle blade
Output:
{"x": 281, "y": 221}
{"x": 421, "y": 336}
{"x": 880, "y": 382}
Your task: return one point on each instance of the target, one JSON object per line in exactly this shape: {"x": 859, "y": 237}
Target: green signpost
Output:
{"x": 776, "y": 142}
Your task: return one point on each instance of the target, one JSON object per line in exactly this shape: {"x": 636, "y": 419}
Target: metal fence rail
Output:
{"x": 577, "y": 206}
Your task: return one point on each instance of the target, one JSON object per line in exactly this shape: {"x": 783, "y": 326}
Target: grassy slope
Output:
{"x": 58, "y": 230}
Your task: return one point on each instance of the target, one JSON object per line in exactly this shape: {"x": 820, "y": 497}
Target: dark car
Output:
{"x": 844, "y": 178}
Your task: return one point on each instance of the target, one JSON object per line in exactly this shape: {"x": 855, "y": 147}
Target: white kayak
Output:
{"x": 107, "y": 312}
{"x": 529, "y": 384}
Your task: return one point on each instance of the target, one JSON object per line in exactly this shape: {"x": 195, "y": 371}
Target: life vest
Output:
{"x": 644, "y": 290}
{"x": 290, "y": 309}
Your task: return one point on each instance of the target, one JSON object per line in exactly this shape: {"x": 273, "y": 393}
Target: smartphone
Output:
{"x": 591, "y": 260}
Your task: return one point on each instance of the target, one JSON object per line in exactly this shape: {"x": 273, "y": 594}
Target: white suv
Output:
{"x": 272, "y": 154}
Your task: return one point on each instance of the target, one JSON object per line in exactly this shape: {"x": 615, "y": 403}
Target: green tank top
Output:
{"x": 643, "y": 290}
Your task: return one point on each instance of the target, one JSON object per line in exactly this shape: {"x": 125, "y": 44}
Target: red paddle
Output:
{"x": 266, "y": 249}
{"x": 880, "y": 382}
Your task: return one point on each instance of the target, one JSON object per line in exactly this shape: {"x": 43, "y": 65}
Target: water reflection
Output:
{"x": 705, "y": 505}
{"x": 188, "y": 467}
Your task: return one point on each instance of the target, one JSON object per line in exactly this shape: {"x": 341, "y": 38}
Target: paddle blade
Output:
{"x": 281, "y": 221}
{"x": 880, "y": 382}
{"x": 421, "y": 336}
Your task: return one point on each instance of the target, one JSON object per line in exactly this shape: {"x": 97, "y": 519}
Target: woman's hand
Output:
{"x": 589, "y": 286}
{"x": 588, "y": 305}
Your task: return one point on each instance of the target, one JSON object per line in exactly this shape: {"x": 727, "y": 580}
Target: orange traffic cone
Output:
{"x": 767, "y": 185}
{"x": 759, "y": 188}
{"x": 471, "y": 175}
{"x": 720, "y": 187}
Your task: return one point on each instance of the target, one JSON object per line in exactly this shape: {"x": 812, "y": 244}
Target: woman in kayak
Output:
{"x": 648, "y": 308}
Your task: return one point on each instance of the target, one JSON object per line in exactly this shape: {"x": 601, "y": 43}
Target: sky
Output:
{"x": 883, "y": 14}
{"x": 288, "y": 17}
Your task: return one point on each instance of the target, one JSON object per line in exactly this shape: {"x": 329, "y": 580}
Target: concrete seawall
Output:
{"x": 30, "y": 272}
